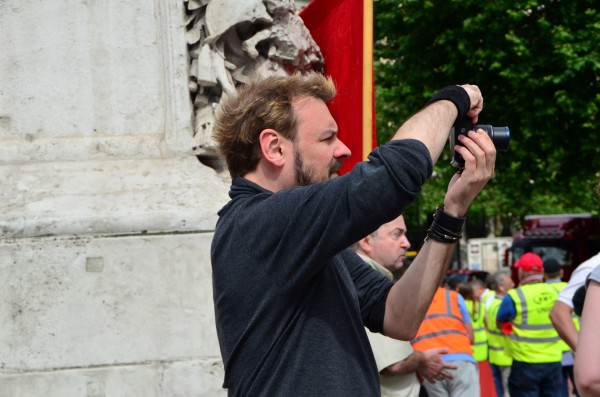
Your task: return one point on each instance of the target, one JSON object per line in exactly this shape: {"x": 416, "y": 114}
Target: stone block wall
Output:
{"x": 106, "y": 214}
{"x": 107, "y": 201}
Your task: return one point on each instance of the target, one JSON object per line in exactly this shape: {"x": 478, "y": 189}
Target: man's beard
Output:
{"x": 305, "y": 175}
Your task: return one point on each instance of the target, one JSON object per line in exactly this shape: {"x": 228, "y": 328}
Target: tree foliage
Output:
{"x": 537, "y": 64}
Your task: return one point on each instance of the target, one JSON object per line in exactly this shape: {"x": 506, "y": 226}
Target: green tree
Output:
{"x": 537, "y": 64}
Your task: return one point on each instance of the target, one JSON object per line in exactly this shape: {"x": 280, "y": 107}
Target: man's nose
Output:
{"x": 341, "y": 151}
{"x": 405, "y": 243}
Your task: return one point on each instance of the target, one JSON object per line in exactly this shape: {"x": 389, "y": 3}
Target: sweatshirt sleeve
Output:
{"x": 294, "y": 233}
{"x": 310, "y": 224}
{"x": 507, "y": 310}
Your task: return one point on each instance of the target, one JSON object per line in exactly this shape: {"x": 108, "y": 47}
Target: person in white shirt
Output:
{"x": 561, "y": 314}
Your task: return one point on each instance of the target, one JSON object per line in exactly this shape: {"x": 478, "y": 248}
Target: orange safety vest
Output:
{"x": 443, "y": 325}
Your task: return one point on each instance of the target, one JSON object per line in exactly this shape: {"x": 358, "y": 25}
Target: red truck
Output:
{"x": 569, "y": 238}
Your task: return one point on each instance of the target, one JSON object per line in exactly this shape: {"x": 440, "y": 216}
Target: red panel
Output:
{"x": 337, "y": 27}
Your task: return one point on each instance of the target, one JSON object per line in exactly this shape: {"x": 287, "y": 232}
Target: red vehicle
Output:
{"x": 569, "y": 238}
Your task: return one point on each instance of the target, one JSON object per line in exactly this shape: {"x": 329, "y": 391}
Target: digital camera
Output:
{"x": 500, "y": 137}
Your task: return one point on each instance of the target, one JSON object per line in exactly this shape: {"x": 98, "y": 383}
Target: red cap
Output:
{"x": 530, "y": 262}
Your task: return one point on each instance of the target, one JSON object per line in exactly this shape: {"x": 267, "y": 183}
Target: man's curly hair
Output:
{"x": 261, "y": 104}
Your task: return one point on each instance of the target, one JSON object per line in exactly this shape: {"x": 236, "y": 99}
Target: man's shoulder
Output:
{"x": 534, "y": 286}
{"x": 530, "y": 291}
{"x": 518, "y": 293}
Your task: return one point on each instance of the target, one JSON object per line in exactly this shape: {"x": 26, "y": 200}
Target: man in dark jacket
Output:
{"x": 291, "y": 300}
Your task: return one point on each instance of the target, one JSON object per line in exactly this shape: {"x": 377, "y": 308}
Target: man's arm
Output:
{"x": 406, "y": 366}
{"x": 587, "y": 359}
{"x": 466, "y": 316}
{"x": 563, "y": 322}
{"x": 470, "y": 333}
{"x": 561, "y": 313}
{"x": 427, "y": 364}
{"x": 411, "y": 296}
{"x": 507, "y": 310}
{"x": 433, "y": 368}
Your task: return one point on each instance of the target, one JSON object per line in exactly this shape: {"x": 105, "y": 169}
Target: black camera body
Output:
{"x": 500, "y": 137}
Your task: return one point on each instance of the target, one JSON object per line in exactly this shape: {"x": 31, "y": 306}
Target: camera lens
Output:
{"x": 499, "y": 135}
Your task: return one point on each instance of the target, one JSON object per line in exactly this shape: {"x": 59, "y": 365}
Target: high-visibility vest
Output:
{"x": 486, "y": 299}
{"x": 498, "y": 342}
{"x": 559, "y": 286}
{"x": 533, "y": 338}
{"x": 443, "y": 325}
{"x": 480, "y": 342}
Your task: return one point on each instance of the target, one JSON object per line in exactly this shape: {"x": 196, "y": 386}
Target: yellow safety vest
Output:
{"x": 486, "y": 298}
{"x": 534, "y": 339}
{"x": 498, "y": 342}
{"x": 480, "y": 342}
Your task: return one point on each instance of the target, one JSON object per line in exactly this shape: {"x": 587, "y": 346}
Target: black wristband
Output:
{"x": 445, "y": 228}
{"x": 440, "y": 237}
{"x": 457, "y": 95}
{"x": 448, "y": 222}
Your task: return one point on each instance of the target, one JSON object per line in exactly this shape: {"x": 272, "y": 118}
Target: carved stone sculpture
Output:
{"x": 229, "y": 40}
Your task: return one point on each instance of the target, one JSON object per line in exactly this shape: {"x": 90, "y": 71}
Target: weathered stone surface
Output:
{"x": 105, "y": 301}
{"x": 93, "y": 79}
{"x": 182, "y": 378}
{"x": 106, "y": 216}
{"x": 89, "y": 60}
{"x": 109, "y": 197}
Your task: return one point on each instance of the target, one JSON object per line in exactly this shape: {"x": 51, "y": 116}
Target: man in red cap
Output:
{"x": 534, "y": 343}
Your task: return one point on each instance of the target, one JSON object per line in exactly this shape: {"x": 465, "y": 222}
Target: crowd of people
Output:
{"x": 302, "y": 260}
{"x": 523, "y": 341}
{"x": 489, "y": 339}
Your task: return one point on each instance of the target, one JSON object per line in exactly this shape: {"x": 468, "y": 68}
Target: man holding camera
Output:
{"x": 291, "y": 300}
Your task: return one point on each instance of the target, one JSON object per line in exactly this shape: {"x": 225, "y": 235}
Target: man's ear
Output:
{"x": 271, "y": 147}
{"x": 365, "y": 244}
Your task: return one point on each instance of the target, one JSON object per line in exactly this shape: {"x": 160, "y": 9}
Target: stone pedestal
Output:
{"x": 106, "y": 214}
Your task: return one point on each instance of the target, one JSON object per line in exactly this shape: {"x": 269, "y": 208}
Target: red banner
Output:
{"x": 343, "y": 29}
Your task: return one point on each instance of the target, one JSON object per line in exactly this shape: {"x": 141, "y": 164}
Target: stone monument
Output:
{"x": 106, "y": 212}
